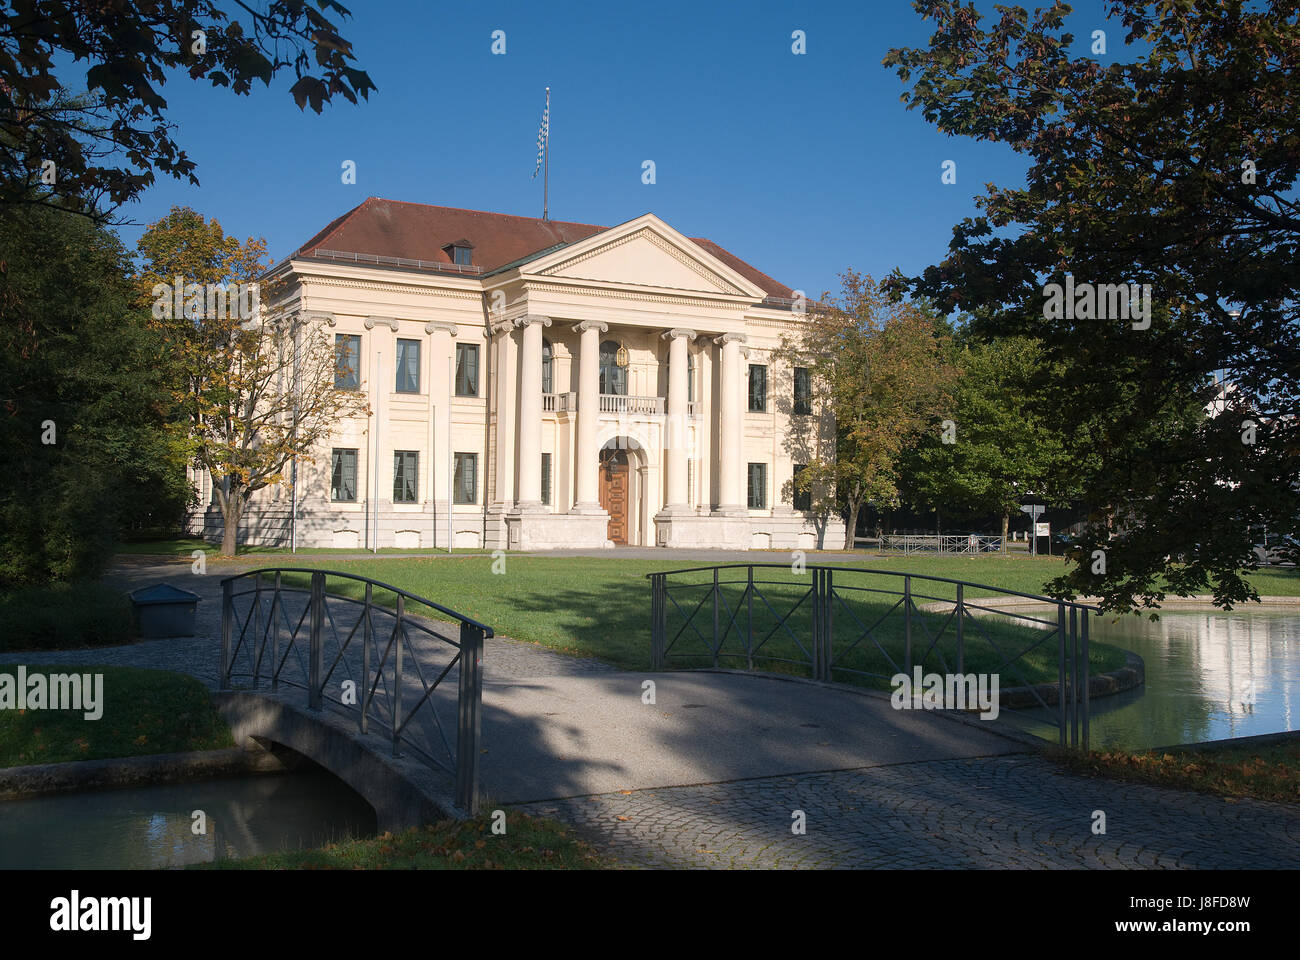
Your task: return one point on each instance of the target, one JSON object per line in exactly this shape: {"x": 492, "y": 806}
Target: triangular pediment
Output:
{"x": 644, "y": 253}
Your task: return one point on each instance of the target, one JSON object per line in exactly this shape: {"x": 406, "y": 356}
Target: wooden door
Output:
{"x": 613, "y": 492}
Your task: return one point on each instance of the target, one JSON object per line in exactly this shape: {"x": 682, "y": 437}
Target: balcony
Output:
{"x": 615, "y": 403}
{"x": 621, "y": 403}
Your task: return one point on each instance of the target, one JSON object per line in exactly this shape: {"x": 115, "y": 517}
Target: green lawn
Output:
{"x": 185, "y": 546}
{"x": 528, "y": 844}
{"x": 144, "y": 712}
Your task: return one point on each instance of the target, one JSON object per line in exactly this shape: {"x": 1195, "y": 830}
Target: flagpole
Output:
{"x": 546, "y": 162}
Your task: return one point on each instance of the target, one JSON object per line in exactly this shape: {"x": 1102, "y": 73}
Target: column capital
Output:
{"x": 501, "y": 326}
{"x": 326, "y": 318}
{"x": 528, "y": 318}
{"x": 591, "y": 325}
{"x": 730, "y": 338}
{"x": 676, "y": 332}
{"x": 386, "y": 321}
{"x": 435, "y": 325}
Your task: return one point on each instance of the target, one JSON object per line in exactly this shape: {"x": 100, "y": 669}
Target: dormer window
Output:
{"x": 461, "y": 252}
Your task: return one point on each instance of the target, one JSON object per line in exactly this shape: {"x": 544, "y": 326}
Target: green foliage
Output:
{"x": 145, "y": 712}
{"x": 78, "y": 366}
{"x": 64, "y": 617}
{"x": 1172, "y": 162}
{"x": 108, "y": 131}
{"x": 1002, "y": 450}
{"x": 878, "y": 370}
{"x": 253, "y": 392}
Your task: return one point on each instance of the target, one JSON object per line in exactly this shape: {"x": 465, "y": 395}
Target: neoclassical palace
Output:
{"x": 538, "y": 384}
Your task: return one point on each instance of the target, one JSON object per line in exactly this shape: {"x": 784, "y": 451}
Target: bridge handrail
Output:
{"x": 845, "y": 568}
{"x": 459, "y": 617}
{"x": 822, "y": 586}
{"x": 266, "y": 630}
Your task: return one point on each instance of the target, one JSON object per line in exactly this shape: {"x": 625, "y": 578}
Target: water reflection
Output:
{"x": 152, "y": 827}
{"x": 1209, "y": 675}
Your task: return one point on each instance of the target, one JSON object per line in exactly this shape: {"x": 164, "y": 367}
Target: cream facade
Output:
{"x": 625, "y": 388}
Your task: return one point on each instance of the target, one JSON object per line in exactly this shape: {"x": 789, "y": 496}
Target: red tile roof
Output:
{"x": 420, "y": 231}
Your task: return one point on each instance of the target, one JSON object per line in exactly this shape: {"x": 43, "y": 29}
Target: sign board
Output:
{"x": 1042, "y": 529}
{"x": 1035, "y": 510}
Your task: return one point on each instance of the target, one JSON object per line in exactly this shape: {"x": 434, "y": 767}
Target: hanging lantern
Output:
{"x": 621, "y": 357}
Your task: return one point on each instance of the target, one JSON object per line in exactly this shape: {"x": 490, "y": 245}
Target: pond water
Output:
{"x": 151, "y": 827}
{"x": 1210, "y": 675}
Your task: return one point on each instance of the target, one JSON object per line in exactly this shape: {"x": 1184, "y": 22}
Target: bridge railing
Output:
{"x": 867, "y": 626}
{"x": 365, "y": 649}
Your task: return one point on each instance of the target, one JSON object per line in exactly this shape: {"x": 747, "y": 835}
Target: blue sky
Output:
{"x": 801, "y": 165}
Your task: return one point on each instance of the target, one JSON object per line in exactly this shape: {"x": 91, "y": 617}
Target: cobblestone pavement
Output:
{"x": 995, "y": 812}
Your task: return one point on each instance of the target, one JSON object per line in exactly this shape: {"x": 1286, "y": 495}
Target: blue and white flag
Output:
{"x": 543, "y": 133}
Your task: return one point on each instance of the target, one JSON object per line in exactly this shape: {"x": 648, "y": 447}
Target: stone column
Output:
{"x": 676, "y": 451}
{"x": 440, "y": 389}
{"x": 731, "y": 427}
{"x": 530, "y": 413}
{"x": 503, "y": 377}
{"x": 587, "y": 456}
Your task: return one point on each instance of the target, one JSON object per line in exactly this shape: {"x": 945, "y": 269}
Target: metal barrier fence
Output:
{"x": 836, "y": 622}
{"x": 965, "y": 543}
{"x": 396, "y": 661}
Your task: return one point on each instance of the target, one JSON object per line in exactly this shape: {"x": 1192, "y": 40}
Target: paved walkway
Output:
{"x": 712, "y": 773}
{"x": 977, "y": 813}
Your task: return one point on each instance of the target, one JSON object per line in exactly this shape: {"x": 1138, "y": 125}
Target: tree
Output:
{"x": 997, "y": 449}
{"x": 83, "y": 405}
{"x": 254, "y": 384}
{"x": 90, "y": 149}
{"x": 1171, "y": 165}
{"x": 877, "y": 366}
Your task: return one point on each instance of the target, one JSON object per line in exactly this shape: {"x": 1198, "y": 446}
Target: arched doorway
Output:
{"x": 615, "y": 492}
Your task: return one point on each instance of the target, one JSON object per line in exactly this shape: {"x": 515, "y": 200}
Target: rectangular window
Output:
{"x": 465, "y": 481}
{"x": 347, "y": 362}
{"x": 758, "y": 486}
{"x": 343, "y": 485}
{"x": 802, "y": 498}
{"x": 757, "y": 388}
{"x": 802, "y": 392}
{"x": 408, "y": 366}
{"x": 546, "y": 479}
{"x": 406, "y": 473}
{"x": 467, "y": 370}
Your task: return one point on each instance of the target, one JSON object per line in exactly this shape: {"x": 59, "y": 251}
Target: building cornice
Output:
{"x": 596, "y": 288}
